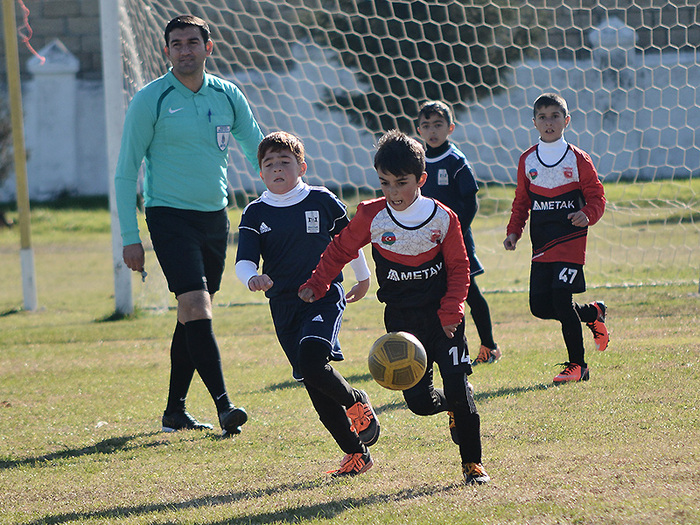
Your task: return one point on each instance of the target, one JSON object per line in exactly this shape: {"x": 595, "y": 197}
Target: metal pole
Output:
{"x": 112, "y": 74}
{"x": 12, "y": 60}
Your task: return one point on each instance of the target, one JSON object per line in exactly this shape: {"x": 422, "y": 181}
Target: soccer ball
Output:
{"x": 397, "y": 360}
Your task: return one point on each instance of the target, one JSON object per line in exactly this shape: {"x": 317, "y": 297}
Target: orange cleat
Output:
{"x": 475, "y": 473}
{"x": 364, "y": 420}
{"x": 487, "y": 355}
{"x": 601, "y": 337}
{"x": 453, "y": 427}
{"x": 572, "y": 372}
{"x": 353, "y": 464}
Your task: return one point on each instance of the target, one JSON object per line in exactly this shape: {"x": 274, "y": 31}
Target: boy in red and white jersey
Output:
{"x": 559, "y": 189}
{"x": 422, "y": 270}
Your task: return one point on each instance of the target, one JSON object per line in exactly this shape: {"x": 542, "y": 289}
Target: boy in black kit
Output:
{"x": 289, "y": 226}
{"x": 423, "y": 274}
{"x": 558, "y": 187}
{"x": 452, "y": 182}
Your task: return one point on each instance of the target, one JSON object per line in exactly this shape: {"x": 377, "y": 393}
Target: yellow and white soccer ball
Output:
{"x": 397, "y": 360}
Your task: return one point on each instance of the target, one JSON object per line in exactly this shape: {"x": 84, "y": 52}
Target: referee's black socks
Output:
{"x": 181, "y": 370}
{"x": 204, "y": 352}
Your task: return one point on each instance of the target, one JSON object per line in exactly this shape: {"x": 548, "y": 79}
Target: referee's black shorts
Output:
{"x": 190, "y": 246}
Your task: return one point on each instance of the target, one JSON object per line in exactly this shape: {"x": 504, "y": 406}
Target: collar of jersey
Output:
{"x": 294, "y": 196}
{"x": 416, "y": 214}
{"x": 439, "y": 153}
{"x": 551, "y": 153}
{"x": 184, "y": 90}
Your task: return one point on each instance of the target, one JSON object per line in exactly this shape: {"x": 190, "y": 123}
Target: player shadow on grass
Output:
{"x": 292, "y": 383}
{"x": 106, "y": 446}
{"x": 486, "y": 395}
{"x": 398, "y": 403}
{"x": 325, "y": 510}
{"x": 353, "y": 379}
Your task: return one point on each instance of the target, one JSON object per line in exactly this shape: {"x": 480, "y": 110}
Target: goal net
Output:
{"x": 339, "y": 73}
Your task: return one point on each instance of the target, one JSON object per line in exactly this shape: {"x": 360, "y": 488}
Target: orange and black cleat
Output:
{"x": 487, "y": 355}
{"x": 601, "y": 337}
{"x": 363, "y": 420}
{"x": 572, "y": 372}
{"x": 475, "y": 473}
{"x": 354, "y": 464}
{"x": 453, "y": 427}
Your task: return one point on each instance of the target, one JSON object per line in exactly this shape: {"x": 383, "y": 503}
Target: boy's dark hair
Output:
{"x": 399, "y": 154}
{"x": 278, "y": 141}
{"x": 435, "y": 107}
{"x": 184, "y": 21}
{"x": 550, "y": 99}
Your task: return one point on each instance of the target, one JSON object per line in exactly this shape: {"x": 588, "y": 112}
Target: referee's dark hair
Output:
{"x": 183, "y": 21}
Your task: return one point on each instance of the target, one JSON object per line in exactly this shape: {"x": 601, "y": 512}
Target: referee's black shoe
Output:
{"x": 182, "y": 420}
{"x": 231, "y": 420}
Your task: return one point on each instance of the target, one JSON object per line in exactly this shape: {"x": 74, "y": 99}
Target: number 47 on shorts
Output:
{"x": 568, "y": 275}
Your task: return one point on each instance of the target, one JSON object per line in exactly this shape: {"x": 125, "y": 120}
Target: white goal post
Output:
{"x": 339, "y": 72}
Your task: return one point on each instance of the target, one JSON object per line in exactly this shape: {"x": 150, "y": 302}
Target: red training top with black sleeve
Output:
{"x": 549, "y": 194}
{"x": 416, "y": 266}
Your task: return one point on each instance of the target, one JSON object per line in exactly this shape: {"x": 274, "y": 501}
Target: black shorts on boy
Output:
{"x": 296, "y": 321}
{"x": 308, "y": 334}
{"x": 452, "y": 359}
{"x": 552, "y": 286}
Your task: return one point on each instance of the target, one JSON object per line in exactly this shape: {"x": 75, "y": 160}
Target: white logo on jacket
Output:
{"x": 415, "y": 275}
{"x": 552, "y": 205}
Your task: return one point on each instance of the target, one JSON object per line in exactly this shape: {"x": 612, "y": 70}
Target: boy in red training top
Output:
{"x": 423, "y": 275}
{"x": 558, "y": 187}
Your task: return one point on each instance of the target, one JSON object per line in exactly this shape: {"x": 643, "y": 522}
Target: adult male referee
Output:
{"x": 181, "y": 124}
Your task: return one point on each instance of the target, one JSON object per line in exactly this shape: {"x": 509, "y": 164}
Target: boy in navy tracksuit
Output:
{"x": 451, "y": 181}
{"x": 289, "y": 226}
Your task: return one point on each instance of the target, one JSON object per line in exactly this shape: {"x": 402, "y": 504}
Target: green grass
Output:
{"x": 81, "y": 397}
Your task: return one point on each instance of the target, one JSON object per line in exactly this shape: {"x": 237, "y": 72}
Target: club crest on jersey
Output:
{"x": 313, "y": 221}
{"x": 443, "y": 179}
{"x": 532, "y": 173}
{"x": 435, "y": 236}
{"x": 568, "y": 172}
{"x": 222, "y": 135}
{"x": 388, "y": 238}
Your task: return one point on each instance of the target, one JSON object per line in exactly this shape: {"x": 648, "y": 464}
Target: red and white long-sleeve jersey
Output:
{"x": 549, "y": 194}
{"x": 416, "y": 266}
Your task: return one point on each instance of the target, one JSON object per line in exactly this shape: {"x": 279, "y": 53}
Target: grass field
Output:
{"x": 81, "y": 399}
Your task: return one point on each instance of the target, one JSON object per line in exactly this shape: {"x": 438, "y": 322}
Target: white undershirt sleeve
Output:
{"x": 245, "y": 271}
{"x": 359, "y": 266}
